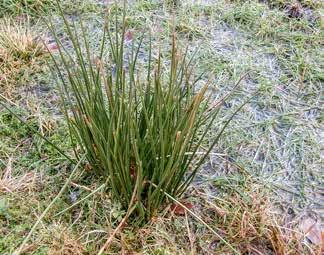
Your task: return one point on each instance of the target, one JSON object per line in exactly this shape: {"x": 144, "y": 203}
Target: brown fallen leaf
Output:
{"x": 52, "y": 47}
{"x": 128, "y": 36}
{"x": 179, "y": 210}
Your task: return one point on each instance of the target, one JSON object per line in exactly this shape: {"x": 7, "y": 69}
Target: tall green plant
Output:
{"x": 141, "y": 129}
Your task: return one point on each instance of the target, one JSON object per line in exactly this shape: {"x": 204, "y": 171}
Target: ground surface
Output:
{"x": 265, "y": 174}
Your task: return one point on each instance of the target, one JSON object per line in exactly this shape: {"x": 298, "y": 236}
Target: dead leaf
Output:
{"x": 52, "y": 47}
{"x": 179, "y": 210}
{"x": 128, "y": 36}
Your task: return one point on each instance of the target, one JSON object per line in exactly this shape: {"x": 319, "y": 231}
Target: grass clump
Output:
{"x": 18, "y": 40}
{"x": 21, "y": 53}
{"x": 249, "y": 219}
{"x": 140, "y": 129}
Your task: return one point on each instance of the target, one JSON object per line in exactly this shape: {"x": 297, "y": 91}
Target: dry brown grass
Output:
{"x": 63, "y": 242}
{"x": 21, "y": 52}
{"x": 249, "y": 220}
{"x": 246, "y": 218}
{"x": 11, "y": 183}
{"x": 64, "y": 245}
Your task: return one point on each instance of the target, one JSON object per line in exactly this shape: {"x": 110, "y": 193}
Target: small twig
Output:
{"x": 189, "y": 235}
{"x": 80, "y": 186}
{"x": 21, "y": 247}
{"x": 10, "y": 101}
{"x": 111, "y": 237}
{"x": 131, "y": 208}
{"x": 198, "y": 218}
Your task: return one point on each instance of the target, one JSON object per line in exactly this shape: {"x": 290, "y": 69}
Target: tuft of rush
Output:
{"x": 141, "y": 130}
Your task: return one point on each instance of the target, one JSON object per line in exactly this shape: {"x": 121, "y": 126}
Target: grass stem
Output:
{"x": 21, "y": 247}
